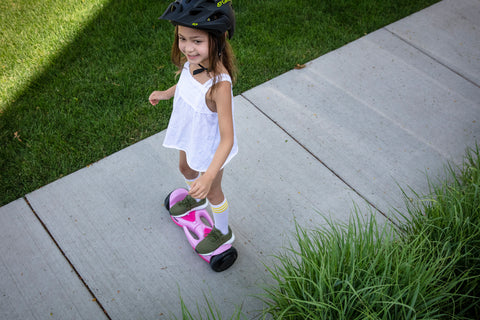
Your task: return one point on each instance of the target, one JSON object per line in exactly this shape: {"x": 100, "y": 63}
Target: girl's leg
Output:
{"x": 182, "y": 208}
{"x": 185, "y": 169}
{"x": 221, "y": 234}
{"x": 215, "y": 195}
{"x": 189, "y": 174}
{"x": 219, "y": 204}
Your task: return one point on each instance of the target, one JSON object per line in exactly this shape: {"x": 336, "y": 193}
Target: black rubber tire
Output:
{"x": 224, "y": 260}
{"x": 167, "y": 201}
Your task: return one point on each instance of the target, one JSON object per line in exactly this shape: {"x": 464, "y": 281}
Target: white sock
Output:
{"x": 190, "y": 181}
{"x": 220, "y": 216}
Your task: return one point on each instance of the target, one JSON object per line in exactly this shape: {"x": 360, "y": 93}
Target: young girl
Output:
{"x": 201, "y": 125}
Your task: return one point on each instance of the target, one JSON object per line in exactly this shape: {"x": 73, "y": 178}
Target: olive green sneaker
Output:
{"x": 187, "y": 205}
{"x": 214, "y": 240}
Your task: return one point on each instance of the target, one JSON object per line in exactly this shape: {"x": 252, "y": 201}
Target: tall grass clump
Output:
{"x": 450, "y": 219}
{"x": 428, "y": 269}
{"x": 209, "y": 311}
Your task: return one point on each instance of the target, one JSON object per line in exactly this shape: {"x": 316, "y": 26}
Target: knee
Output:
{"x": 183, "y": 167}
{"x": 215, "y": 196}
{"x": 187, "y": 172}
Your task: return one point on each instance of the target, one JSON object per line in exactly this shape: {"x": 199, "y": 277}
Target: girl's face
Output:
{"x": 193, "y": 43}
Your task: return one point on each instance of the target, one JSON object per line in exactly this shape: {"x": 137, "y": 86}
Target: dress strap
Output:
{"x": 223, "y": 77}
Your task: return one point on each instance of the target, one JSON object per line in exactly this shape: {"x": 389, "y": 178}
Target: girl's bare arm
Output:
{"x": 223, "y": 101}
{"x": 156, "y": 96}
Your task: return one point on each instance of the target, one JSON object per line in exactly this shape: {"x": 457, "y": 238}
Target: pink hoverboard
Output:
{"x": 197, "y": 225}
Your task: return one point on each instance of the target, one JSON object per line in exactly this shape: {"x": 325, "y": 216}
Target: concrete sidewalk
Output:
{"x": 348, "y": 130}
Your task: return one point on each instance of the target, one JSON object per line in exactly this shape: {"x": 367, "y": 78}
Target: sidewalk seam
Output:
{"x": 319, "y": 160}
{"x": 431, "y": 57}
{"x": 66, "y": 258}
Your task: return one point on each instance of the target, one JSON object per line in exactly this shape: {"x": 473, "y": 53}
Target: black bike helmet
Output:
{"x": 214, "y": 16}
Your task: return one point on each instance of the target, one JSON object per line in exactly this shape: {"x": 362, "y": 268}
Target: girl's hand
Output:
{"x": 156, "y": 96}
{"x": 200, "y": 187}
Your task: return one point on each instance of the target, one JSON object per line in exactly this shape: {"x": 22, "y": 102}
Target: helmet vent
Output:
{"x": 213, "y": 17}
{"x": 195, "y": 12}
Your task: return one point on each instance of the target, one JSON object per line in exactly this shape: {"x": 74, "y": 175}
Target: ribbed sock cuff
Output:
{"x": 220, "y": 208}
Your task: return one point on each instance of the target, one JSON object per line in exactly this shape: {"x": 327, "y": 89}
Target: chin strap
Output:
{"x": 199, "y": 70}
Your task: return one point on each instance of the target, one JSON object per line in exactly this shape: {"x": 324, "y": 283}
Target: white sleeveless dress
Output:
{"x": 193, "y": 127}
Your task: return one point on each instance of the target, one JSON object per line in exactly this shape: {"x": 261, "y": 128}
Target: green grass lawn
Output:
{"x": 75, "y": 75}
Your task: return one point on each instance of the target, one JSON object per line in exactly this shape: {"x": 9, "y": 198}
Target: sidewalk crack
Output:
{"x": 94, "y": 298}
{"x": 431, "y": 57}
{"x": 322, "y": 163}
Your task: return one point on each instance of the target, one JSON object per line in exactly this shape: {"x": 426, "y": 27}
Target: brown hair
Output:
{"x": 219, "y": 51}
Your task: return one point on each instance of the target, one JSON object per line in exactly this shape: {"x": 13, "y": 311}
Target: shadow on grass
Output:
{"x": 91, "y": 101}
